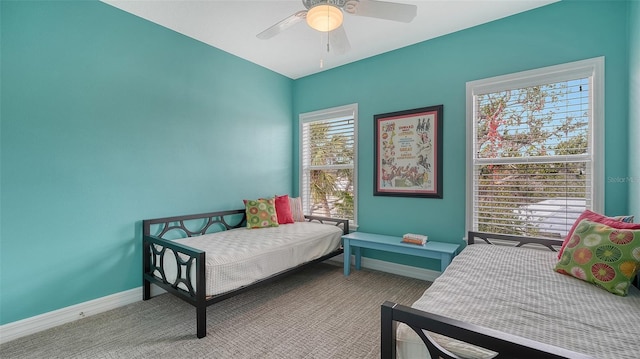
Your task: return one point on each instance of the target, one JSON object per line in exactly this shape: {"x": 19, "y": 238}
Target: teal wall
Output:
{"x": 634, "y": 108}
{"x": 107, "y": 119}
{"x": 435, "y": 72}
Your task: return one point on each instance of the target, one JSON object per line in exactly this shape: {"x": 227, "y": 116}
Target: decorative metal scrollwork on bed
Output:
{"x": 178, "y": 223}
{"x": 158, "y": 263}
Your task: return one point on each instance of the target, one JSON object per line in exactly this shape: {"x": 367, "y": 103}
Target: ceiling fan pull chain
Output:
{"x": 328, "y": 41}
{"x": 328, "y": 17}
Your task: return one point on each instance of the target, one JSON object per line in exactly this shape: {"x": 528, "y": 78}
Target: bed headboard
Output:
{"x": 203, "y": 223}
{"x": 196, "y": 224}
{"x": 520, "y": 240}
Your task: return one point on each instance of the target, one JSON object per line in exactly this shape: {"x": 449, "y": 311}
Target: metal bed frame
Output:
{"x": 154, "y": 246}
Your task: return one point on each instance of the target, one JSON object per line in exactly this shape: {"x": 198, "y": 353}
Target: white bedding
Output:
{"x": 242, "y": 256}
{"x": 515, "y": 290}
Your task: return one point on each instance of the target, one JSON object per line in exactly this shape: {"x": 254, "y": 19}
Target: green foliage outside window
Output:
{"x": 331, "y": 174}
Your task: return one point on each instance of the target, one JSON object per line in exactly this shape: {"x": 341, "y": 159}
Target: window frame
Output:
{"x": 592, "y": 68}
{"x": 350, "y": 110}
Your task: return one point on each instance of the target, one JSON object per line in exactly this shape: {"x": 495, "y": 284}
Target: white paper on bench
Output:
{"x": 516, "y": 290}
{"x": 242, "y": 256}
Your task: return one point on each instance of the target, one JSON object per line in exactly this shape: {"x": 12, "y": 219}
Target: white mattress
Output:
{"x": 515, "y": 290}
{"x": 239, "y": 257}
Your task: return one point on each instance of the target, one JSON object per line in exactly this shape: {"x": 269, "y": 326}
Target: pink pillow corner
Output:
{"x": 296, "y": 209}
{"x": 283, "y": 209}
{"x": 598, "y": 218}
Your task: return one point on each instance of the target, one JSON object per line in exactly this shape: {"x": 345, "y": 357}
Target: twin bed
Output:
{"x": 498, "y": 301}
{"x": 205, "y": 258}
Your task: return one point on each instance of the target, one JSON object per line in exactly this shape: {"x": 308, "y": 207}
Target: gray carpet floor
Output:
{"x": 315, "y": 313}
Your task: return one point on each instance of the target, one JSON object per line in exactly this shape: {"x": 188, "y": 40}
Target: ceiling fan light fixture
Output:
{"x": 324, "y": 17}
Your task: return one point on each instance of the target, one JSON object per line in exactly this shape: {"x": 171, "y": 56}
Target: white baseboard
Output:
{"x": 72, "y": 313}
{"x": 393, "y": 268}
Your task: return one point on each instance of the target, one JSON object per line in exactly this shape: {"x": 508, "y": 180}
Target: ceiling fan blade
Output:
{"x": 283, "y": 25}
{"x": 338, "y": 41}
{"x": 382, "y": 10}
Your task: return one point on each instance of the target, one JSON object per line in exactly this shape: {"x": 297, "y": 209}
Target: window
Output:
{"x": 535, "y": 149}
{"x": 328, "y": 150}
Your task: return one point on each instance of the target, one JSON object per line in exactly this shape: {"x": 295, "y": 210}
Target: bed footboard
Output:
{"x": 504, "y": 344}
{"x": 187, "y": 261}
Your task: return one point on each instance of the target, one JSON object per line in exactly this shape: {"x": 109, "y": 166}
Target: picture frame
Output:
{"x": 408, "y": 153}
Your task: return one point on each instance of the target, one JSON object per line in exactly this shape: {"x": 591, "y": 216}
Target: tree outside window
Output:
{"x": 328, "y": 157}
{"x": 532, "y": 153}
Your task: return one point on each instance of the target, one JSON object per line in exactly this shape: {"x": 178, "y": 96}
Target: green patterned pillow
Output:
{"x": 602, "y": 255}
{"x": 261, "y": 213}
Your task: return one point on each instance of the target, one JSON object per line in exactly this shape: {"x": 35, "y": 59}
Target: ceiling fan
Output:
{"x": 327, "y": 15}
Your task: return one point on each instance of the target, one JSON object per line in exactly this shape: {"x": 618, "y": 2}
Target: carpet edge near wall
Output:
{"x": 315, "y": 313}
{"x": 38, "y": 323}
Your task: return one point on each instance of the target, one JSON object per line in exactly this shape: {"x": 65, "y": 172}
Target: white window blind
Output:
{"x": 533, "y": 150}
{"x": 327, "y": 162}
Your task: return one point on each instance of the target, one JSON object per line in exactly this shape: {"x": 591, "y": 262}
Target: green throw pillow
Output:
{"x": 602, "y": 255}
{"x": 261, "y": 213}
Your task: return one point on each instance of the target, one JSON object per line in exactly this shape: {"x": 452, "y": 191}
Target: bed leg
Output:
{"x": 146, "y": 268}
{"x": 387, "y": 331}
{"x": 201, "y": 320}
{"x": 146, "y": 290}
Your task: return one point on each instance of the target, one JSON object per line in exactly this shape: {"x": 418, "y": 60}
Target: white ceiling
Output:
{"x": 232, "y": 26}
